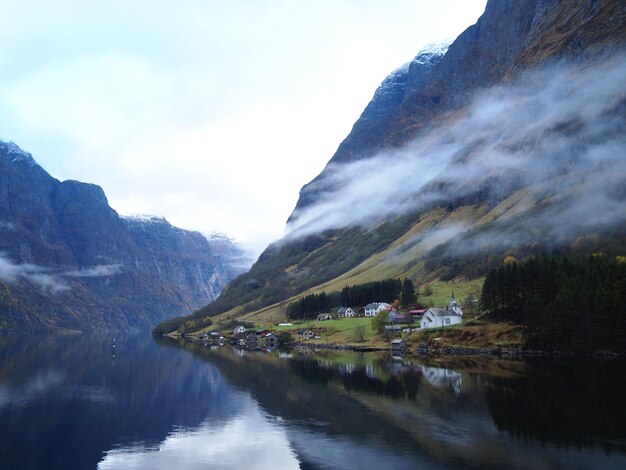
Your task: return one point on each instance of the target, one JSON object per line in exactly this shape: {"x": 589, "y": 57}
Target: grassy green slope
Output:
{"x": 423, "y": 247}
{"x": 335, "y": 259}
{"x": 287, "y": 269}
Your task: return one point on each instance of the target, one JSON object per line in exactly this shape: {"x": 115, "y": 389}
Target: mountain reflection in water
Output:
{"x": 66, "y": 402}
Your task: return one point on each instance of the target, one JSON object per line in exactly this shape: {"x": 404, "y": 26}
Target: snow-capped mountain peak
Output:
{"x": 15, "y": 153}
{"x": 433, "y": 50}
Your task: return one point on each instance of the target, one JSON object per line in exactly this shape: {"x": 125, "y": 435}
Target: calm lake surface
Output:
{"x": 77, "y": 402}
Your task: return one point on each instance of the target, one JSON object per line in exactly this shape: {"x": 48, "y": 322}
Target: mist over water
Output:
{"x": 557, "y": 132}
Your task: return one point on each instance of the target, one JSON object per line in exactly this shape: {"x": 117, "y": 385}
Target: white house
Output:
{"x": 438, "y": 317}
{"x": 346, "y": 312}
{"x": 371, "y": 310}
{"x": 239, "y": 330}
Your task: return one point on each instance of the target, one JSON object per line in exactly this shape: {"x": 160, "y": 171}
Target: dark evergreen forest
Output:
{"x": 387, "y": 290}
{"x": 567, "y": 304}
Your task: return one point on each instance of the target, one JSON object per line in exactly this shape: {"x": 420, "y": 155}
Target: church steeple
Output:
{"x": 454, "y": 306}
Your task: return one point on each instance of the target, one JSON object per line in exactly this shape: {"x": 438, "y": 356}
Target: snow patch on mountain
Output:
{"x": 15, "y": 153}
{"x": 433, "y": 52}
{"x": 395, "y": 83}
{"x": 145, "y": 218}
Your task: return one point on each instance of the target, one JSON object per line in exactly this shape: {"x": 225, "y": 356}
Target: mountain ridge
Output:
{"x": 69, "y": 261}
{"x": 510, "y": 91}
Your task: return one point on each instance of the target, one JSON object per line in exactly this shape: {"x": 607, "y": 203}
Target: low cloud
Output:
{"x": 47, "y": 279}
{"x": 38, "y": 275}
{"x": 96, "y": 271}
{"x": 558, "y": 132}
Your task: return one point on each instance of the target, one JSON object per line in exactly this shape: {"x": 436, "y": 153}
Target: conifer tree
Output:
{"x": 408, "y": 296}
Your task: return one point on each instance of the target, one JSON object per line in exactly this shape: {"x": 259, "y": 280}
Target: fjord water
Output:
{"x": 80, "y": 402}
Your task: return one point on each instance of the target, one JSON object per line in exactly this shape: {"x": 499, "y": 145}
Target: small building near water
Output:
{"x": 398, "y": 345}
{"x": 253, "y": 340}
{"x": 239, "y": 330}
{"x": 305, "y": 334}
{"x": 439, "y": 317}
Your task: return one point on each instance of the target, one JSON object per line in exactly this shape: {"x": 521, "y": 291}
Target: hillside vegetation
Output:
{"x": 508, "y": 144}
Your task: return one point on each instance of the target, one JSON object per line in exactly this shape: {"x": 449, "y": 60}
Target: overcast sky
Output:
{"x": 210, "y": 113}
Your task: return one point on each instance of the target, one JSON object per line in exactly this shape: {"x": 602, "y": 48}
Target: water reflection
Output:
{"x": 250, "y": 436}
{"x": 439, "y": 415}
{"x": 440, "y": 377}
{"x": 64, "y": 403}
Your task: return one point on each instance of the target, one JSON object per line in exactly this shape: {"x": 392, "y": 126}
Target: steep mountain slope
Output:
{"x": 509, "y": 38}
{"x": 510, "y": 143}
{"x": 369, "y": 131}
{"x": 67, "y": 260}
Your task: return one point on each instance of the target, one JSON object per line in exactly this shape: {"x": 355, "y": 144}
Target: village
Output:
{"x": 392, "y": 324}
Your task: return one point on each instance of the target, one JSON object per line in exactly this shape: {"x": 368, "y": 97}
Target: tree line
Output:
{"x": 387, "y": 290}
{"x": 566, "y": 304}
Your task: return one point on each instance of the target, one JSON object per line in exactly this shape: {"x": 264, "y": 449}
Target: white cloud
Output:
{"x": 558, "y": 130}
{"x": 100, "y": 270}
{"x": 50, "y": 280}
{"x": 212, "y": 114}
{"x": 250, "y": 438}
{"x": 38, "y": 275}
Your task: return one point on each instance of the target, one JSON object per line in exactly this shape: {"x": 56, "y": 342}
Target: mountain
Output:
{"x": 69, "y": 261}
{"x": 369, "y": 132}
{"x": 507, "y": 142}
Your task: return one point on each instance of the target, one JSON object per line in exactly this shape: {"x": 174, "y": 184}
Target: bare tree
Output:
{"x": 359, "y": 333}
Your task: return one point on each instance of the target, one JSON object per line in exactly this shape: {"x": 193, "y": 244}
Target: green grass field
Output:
{"x": 337, "y": 330}
{"x": 441, "y": 291}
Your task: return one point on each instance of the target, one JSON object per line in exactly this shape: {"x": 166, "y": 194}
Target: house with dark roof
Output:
{"x": 253, "y": 340}
{"x": 305, "y": 334}
{"x": 324, "y": 317}
{"x": 417, "y": 313}
{"x": 346, "y": 312}
{"x": 397, "y": 317}
{"x": 439, "y": 317}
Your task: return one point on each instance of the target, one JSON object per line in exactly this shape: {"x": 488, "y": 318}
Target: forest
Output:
{"x": 387, "y": 290}
{"x": 567, "y": 304}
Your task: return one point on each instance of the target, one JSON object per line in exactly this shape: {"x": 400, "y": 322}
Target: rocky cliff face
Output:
{"x": 504, "y": 142}
{"x": 509, "y": 38}
{"x": 183, "y": 258}
{"x": 68, "y": 260}
{"x": 369, "y": 132}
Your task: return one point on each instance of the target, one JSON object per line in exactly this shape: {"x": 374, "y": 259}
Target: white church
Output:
{"x": 438, "y": 317}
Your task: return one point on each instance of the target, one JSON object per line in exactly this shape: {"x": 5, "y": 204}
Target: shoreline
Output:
{"x": 451, "y": 351}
